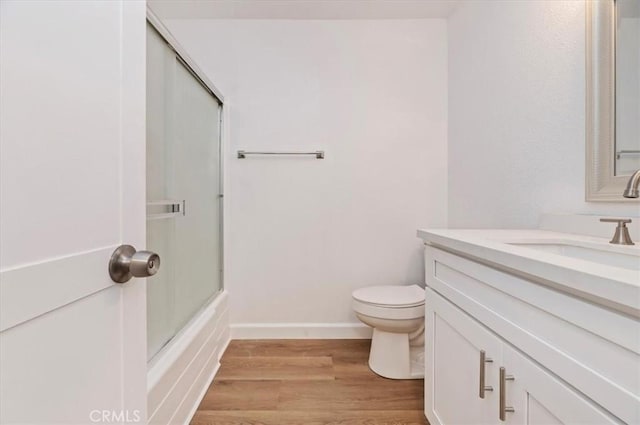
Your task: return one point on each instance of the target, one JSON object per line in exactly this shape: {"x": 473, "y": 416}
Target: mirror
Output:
{"x": 613, "y": 97}
{"x": 627, "y": 79}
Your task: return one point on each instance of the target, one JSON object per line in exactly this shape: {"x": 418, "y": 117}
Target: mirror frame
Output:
{"x": 601, "y": 183}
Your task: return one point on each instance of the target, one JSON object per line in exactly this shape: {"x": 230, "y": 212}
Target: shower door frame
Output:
{"x": 196, "y": 72}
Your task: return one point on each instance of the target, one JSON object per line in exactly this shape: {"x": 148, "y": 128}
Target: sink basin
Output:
{"x": 608, "y": 257}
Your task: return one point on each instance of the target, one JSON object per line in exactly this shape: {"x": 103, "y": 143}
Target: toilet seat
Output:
{"x": 381, "y": 312}
{"x": 390, "y": 296}
{"x": 390, "y": 302}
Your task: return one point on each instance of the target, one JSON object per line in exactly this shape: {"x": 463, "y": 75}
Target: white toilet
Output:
{"x": 396, "y": 314}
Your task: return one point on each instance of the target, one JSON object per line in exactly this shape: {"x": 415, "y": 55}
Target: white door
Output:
{"x": 461, "y": 356}
{"x": 72, "y": 189}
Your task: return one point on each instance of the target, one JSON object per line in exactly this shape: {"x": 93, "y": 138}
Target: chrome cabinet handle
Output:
{"x": 126, "y": 263}
{"x": 482, "y": 388}
{"x": 503, "y": 394}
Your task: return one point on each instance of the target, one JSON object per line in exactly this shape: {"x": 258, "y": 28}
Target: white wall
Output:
{"x": 516, "y": 113}
{"x": 303, "y": 233}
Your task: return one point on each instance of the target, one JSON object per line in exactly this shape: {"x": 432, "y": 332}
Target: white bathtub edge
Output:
{"x": 199, "y": 388}
{"x": 179, "y": 376}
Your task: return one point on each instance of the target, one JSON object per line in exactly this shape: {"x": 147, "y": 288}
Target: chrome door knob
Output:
{"x": 126, "y": 263}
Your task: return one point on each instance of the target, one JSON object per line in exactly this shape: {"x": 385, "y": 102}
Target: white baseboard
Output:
{"x": 300, "y": 331}
{"x": 180, "y": 374}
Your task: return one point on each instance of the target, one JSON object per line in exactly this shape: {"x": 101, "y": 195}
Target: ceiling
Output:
{"x": 302, "y": 9}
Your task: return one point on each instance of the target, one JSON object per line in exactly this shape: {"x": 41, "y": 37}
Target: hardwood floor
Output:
{"x": 310, "y": 382}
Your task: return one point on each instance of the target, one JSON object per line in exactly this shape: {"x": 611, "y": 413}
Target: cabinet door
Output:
{"x": 539, "y": 398}
{"x": 453, "y": 366}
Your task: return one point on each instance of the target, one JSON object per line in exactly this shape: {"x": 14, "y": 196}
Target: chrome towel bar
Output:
{"x": 318, "y": 154}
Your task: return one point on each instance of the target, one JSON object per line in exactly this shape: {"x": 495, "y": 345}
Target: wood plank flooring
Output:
{"x": 306, "y": 382}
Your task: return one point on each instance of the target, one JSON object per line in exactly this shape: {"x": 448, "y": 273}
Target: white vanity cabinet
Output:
{"x": 461, "y": 356}
{"x": 539, "y": 398}
{"x": 571, "y": 360}
{"x": 455, "y": 373}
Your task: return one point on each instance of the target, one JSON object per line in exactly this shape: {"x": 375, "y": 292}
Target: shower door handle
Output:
{"x": 170, "y": 208}
{"x": 126, "y": 263}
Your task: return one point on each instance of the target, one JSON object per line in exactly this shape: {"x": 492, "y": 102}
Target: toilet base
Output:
{"x": 392, "y": 355}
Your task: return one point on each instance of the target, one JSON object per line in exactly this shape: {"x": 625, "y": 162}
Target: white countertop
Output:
{"x": 615, "y": 287}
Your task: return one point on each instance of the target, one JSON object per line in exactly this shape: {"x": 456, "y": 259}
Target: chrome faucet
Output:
{"x": 632, "y": 186}
{"x": 621, "y": 237}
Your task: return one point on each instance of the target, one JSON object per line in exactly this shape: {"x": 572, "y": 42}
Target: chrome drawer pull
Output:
{"x": 482, "y": 388}
{"x": 503, "y": 394}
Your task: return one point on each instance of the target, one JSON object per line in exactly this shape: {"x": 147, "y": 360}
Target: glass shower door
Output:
{"x": 183, "y": 192}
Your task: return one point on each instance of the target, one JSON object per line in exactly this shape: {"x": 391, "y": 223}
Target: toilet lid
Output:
{"x": 391, "y": 296}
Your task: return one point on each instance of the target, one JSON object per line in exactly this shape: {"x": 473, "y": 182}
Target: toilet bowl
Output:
{"x": 396, "y": 314}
